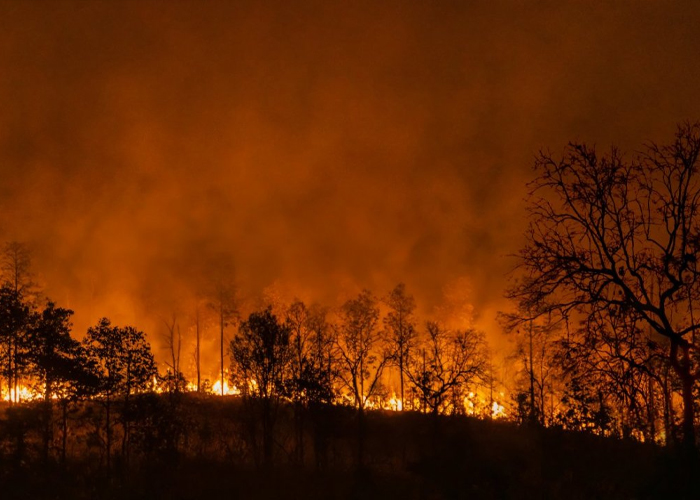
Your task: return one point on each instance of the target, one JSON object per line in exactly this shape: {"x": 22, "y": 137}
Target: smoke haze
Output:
{"x": 151, "y": 149}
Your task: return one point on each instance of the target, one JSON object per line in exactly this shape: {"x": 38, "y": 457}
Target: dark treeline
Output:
{"x": 303, "y": 359}
{"x": 604, "y": 334}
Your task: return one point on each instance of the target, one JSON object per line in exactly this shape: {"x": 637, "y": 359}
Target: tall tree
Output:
{"x": 536, "y": 344}
{"x": 361, "y": 357}
{"x": 15, "y": 319}
{"x": 400, "y": 328}
{"x": 16, "y": 266}
{"x": 51, "y": 358}
{"x": 174, "y": 378}
{"x": 297, "y": 320}
{"x": 260, "y": 357}
{"x": 123, "y": 364}
{"x": 607, "y": 234}
{"x": 224, "y": 304}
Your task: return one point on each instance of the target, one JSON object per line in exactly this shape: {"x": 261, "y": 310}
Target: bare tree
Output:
{"x": 361, "y": 357}
{"x": 174, "y": 380}
{"x": 198, "y": 347}
{"x": 224, "y": 304}
{"x": 608, "y": 235}
{"x": 400, "y": 330}
{"x": 298, "y": 321}
{"x": 17, "y": 268}
{"x": 536, "y": 344}
{"x": 445, "y": 362}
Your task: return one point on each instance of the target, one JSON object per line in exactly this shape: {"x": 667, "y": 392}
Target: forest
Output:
{"x": 365, "y": 400}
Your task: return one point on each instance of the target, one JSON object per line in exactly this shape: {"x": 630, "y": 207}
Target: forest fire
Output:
{"x": 227, "y": 390}
{"x": 334, "y": 250}
{"x": 21, "y": 394}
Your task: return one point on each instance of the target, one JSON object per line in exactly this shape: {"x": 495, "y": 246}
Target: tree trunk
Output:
{"x": 403, "y": 404}
{"x": 221, "y": 321}
{"x": 267, "y": 433}
{"x": 199, "y": 367}
{"x": 688, "y": 411}
{"x": 682, "y": 368}
{"x": 533, "y": 413}
{"x": 48, "y": 419}
{"x": 64, "y": 429}
{"x": 360, "y": 437}
{"x": 108, "y": 430}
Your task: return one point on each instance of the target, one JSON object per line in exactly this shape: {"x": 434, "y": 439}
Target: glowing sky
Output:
{"x": 318, "y": 146}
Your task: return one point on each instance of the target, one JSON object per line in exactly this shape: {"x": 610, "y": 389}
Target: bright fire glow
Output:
{"x": 497, "y": 410}
{"x": 228, "y": 391}
{"x": 394, "y": 403}
{"x": 23, "y": 393}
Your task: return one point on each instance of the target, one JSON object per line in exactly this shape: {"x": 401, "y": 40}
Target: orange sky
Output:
{"x": 320, "y": 147}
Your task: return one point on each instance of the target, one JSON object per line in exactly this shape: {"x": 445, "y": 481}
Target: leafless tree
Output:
{"x": 224, "y": 304}
{"x": 17, "y": 268}
{"x": 609, "y": 236}
{"x": 175, "y": 380}
{"x": 361, "y": 356}
{"x": 445, "y": 362}
{"x": 400, "y": 330}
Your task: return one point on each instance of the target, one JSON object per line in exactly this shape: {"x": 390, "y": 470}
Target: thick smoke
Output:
{"x": 149, "y": 150}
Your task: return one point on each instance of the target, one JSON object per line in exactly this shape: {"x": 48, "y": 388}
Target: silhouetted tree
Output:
{"x": 16, "y": 267}
{"x": 607, "y": 234}
{"x": 446, "y": 361}
{"x": 52, "y": 359}
{"x": 15, "y": 320}
{"x": 361, "y": 357}
{"x": 124, "y": 364}
{"x": 260, "y": 358}
{"x": 400, "y": 328}
{"x": 536, "y": 345}
{"x": 610, "y": 356}
{"x": 174, "y": 379}
{"x": 224, "y": 304}
{"x": 198, "y": 346}
{"x": 297, "y": 320}
{"x": 318, "y": 380}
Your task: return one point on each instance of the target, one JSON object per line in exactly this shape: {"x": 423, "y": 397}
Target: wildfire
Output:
{"x": 22, "y": 393}
{"x": 474, "y": 403}
{"x": 228, "y": 391}
{"x": 394, "y": 403}
{"x": 497, "y": 410}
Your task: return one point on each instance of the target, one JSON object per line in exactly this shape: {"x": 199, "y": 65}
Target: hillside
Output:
{"x": 191, "y": 447}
